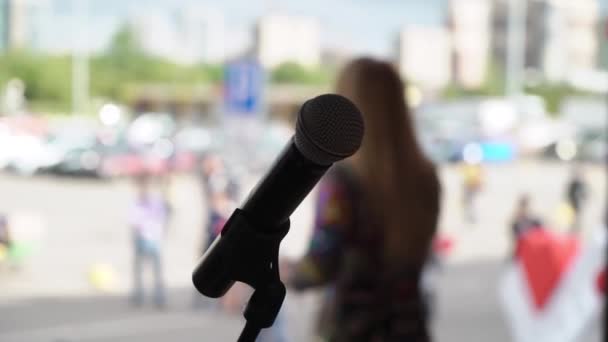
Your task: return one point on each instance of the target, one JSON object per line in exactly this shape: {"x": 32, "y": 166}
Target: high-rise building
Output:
{"x": 280, "y": 39}
{"x": 603, "y": 43}
{"x": 581, "y": 21}
{"x": 560, "y": 36}
{"x": 200, "y": 31}
{"x": 42, "y": 19}
{"x": 153, "y": 31}
{"x": 470, "y": 27}
{"x": 335, "y": 57}
{"x": 3, "y": 25}
{"x": 426, "y": 65}
{"x": 534, "y": 32}
{"x": 13, "y": 31}
{"x": 188, "y": 36}
{"x": 17, "y": 29}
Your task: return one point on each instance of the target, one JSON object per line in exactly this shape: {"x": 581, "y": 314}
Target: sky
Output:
{"x": 368, "y": 26}
{"x": 360, "y": 26}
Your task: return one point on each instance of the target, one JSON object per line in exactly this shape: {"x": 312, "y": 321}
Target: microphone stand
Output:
{"x": 249, "y": 255}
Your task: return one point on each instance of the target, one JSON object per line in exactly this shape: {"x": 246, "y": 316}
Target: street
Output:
{"x": 50, "y": 297}
{"x": 109, "y": 318}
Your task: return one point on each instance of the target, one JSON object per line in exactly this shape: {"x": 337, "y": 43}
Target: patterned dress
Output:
{"x": 364, "y": 301}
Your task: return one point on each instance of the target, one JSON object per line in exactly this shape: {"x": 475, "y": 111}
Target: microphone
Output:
{"x": 329, "y": 128}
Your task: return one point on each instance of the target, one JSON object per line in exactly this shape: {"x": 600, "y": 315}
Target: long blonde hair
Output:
{"x": 399, "y": 182}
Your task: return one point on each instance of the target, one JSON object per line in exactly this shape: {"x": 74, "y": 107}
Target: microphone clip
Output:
{"x": 249, "y": 255}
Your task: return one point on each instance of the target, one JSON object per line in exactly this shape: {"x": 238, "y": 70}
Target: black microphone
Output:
{"x": 329, "y": 128}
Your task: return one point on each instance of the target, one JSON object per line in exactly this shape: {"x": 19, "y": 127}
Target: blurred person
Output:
{"x": 148, "y": 219}
{"x": 219, "y": 196}
{"x": 375, "y": 220}
{"x": 576, "y": 193}
{"x": 440, "y": 249}
{"x": 523, "y": 219}
{"x": 221, "y": 192}
{"x": 472, "y": 176}
{"x": 5, "y": 238}
{"x": 165, "y": 194}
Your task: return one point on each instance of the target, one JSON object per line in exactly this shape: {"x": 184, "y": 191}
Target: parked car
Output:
{"x": 29, "y": 154}
{"x": 587, "y": 145}
{"x": 594, "y": 146}
{"x": 148, "y": 128}
{"x": 77, "y": 152}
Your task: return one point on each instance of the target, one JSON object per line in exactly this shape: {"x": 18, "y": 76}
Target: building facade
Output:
{"x": 187, "y": 36}
{"x": 3, "y": 25}
{"x": 280, "y": 39}
{"x": 201, "y": 33}
{"x": 560, "y": 36}
{"x": 17, "y": 24}
{"x": 470, "y": 26}
{"x": 13, "y": 30}
{"x": 426, "y": 65}
{"x": 602, "y": 33}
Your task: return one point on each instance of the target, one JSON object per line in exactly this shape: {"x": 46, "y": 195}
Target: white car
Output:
{"x": 29, "y": 154}
{"x": 5, "y": 147}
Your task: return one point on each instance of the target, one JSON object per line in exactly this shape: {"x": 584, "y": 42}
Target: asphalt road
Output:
{"x": 467, "y": 310}
{"x": 110, "y": 318}
{"x": 82, "y": 224}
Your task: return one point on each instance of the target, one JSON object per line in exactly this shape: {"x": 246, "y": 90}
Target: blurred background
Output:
{"x": 510, "y": 98}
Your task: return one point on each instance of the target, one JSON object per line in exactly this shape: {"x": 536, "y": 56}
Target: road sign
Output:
{"x": 243, "y": 85}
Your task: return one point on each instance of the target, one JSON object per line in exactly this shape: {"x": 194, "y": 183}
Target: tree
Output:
{"x": 553, "y": 94}
{"x": 44, "y": 76}
{"x": 295, "y": 73}
{"x": 493, "y": 85}
{"x": 124, "y": 46}
{"x": 125, "y": 63}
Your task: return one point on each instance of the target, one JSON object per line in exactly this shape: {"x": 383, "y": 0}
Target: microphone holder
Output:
{"x": 249, "y": 255}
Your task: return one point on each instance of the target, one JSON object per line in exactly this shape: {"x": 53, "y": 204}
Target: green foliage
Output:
{"x": 214, "y": 73}
{"x": 124, "y": 64}
{"x": 124, "y": 48}
{"x": 294, "y": 73}
{"x": 455, "y": 91}
{"x": 553, "y": 94}
{"x": 120, "y": 71}
{"x": 44, "y": 76}
{"x": 493, "y": 85}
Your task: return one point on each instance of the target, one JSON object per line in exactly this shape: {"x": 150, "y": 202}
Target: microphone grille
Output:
{"x": 329, "y": 128}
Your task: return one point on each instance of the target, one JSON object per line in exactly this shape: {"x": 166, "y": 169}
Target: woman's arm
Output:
{"x": 333, "y": 216}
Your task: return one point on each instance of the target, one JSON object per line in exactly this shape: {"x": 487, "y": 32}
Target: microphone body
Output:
{"x": 282, "y": 189}
{"x": 329, "y": 128}
{"x": 255, "y": 230}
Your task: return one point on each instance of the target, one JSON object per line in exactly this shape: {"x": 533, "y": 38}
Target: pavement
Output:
{"x": 50, "y": 297}
{"x": 468, "y": 310}
{"x": 111, "y": 318}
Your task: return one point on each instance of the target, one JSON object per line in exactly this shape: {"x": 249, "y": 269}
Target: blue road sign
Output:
{"x": 243, "y": 85}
